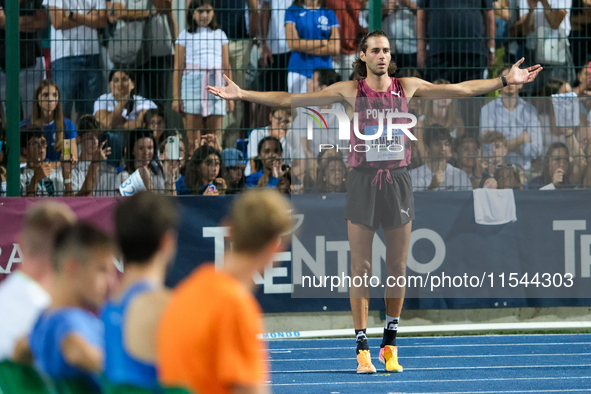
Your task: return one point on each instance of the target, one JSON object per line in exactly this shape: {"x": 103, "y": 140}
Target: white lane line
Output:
{"x": 449, "y": 368}
{"x": 421, "y": 357}
{"x": 439, "y": 337}
{"x": 512, "y": 391}
{"x": 449, "y": 328}
{"x": 451, "y": 345}
{"x": 438, "y": 381}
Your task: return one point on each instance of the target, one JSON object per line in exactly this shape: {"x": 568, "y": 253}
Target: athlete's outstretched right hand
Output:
{"x": 229, "y": 92}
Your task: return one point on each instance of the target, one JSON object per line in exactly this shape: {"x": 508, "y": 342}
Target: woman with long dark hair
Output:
{"x": 141, "y": 156}
{"x": 48, "y": 113}
{"x": 332, "y": 176}
{"x": 205, "y": 172}
{"x": 560, "y": 169}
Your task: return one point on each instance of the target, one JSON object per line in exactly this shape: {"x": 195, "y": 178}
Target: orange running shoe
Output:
{"x": 389, "y": 356}
{"x": 364, "y": 364}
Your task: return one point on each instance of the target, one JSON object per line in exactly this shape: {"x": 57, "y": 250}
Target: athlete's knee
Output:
{"x": 360, "y": 267}
{"x": 397, "y": 269}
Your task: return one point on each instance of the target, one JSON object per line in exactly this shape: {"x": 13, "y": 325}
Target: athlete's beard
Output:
{"x": 376, "y": 71}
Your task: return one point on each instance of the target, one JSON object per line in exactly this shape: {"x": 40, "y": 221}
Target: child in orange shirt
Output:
{"x": 207, "y": 338}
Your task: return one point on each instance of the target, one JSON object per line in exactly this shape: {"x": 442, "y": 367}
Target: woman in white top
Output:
{"x": 201, "y": 57}
{"x": 121, "y": 109}
{"x": 562, "y": 122}
{"x": 142, "y": 157}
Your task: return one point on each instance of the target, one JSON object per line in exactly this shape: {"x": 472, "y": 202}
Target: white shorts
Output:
{"x": 192, "y": 86}
{"x": 297, "y": 83}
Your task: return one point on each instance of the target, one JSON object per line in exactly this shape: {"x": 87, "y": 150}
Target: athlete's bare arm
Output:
{"x": 415, "y": 87}
{"x": 338, "y": 92}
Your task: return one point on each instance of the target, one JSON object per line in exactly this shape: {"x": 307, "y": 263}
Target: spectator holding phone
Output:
{"x": 495, "y": 149}
{"x": 141, "y": 157}
{"x": 562, "y": 115}
{"x": 205, "y": 172}
{"x": 40, "y": 178}
{"x": 284, "y": 184}
{"x": 271, "y": 168}
{"x": 91, "y": 173}
{"x": 172, "y": 157}
{"x": 121, "y": 109}
{"x": 280, "y": 119}
{"x": 468, "y": 159}
{"x": 438, "y": 174}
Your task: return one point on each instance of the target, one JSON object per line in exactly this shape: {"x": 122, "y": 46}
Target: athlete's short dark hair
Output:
{"x": 140, "y": 223}
{"x": 78, "y": 240}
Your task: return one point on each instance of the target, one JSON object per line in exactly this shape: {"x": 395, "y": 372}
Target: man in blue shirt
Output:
{"x": 269, "y": 154}
{"x": 67, "y": 340}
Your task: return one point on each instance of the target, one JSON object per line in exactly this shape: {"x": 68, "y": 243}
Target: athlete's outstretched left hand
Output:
{"x": 519, "y": 76}
{"x": 229, "y": 92}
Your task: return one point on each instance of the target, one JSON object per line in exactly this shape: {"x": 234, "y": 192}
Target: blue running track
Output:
{"x": 465, "y": 364}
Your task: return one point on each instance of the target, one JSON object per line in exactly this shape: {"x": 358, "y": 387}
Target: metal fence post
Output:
{"x": 13, "y": 104}
{"x": 375, "y": 15}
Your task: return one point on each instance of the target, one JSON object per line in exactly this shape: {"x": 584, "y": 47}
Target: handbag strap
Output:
{"x": 147, "y": 22}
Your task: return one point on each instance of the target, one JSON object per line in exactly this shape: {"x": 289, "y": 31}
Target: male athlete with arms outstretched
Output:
{"x": 379, "y": 192}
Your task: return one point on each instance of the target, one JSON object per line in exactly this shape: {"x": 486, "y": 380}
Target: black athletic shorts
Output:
{"x": 375, "y": 197}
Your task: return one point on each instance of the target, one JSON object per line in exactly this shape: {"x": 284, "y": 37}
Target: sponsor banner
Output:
{"x": 545, "y": 231}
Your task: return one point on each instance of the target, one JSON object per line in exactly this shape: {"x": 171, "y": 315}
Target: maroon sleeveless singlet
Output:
{"x": 367, "y": 98}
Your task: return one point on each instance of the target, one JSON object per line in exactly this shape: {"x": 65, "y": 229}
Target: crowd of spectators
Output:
{"x": 116, "y": 79}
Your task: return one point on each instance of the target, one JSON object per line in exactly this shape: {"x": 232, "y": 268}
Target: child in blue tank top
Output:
{"x": 145, "y": 227}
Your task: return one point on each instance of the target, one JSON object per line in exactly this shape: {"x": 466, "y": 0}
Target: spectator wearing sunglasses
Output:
{"x": 560, "y": 170}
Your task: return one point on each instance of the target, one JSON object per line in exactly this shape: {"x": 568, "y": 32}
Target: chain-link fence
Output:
{"x": 112, "y": 94}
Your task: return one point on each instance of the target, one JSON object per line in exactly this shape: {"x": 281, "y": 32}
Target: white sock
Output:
{"x": 392, "y": 323}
